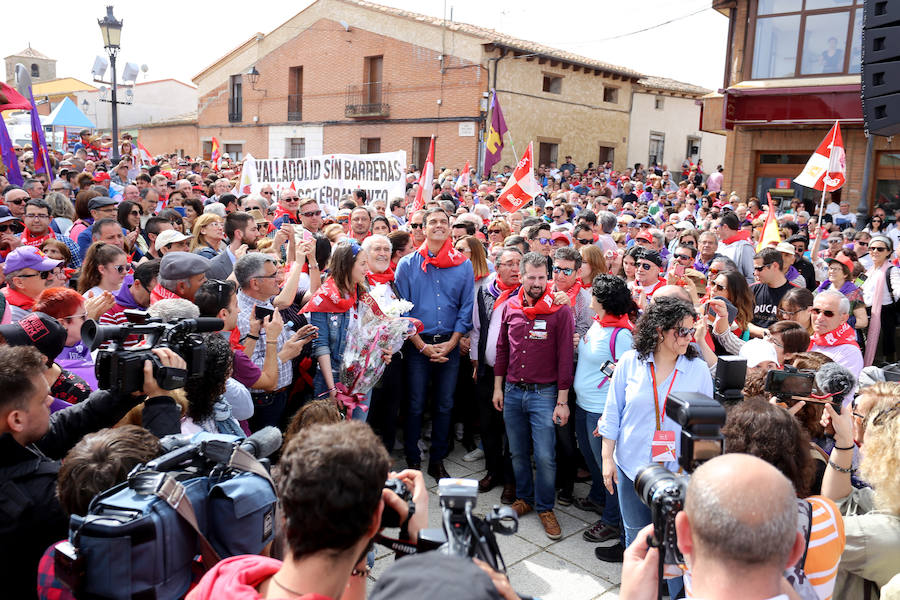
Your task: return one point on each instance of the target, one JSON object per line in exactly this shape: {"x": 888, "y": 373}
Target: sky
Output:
{"x": 683, "y": 40}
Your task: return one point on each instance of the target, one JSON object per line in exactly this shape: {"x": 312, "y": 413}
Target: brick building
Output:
{"x": 349, "y": 76}
{"x": 41, "y": 67}
{"x": 792, "y": 69}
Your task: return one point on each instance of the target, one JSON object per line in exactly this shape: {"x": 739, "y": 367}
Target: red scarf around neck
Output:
{"x": 447, "y": 256}
{"x": 609, "y": 320}
{"x": 385, "y": 277}
{"x": 573, "y": 292}
{"x": 28, "y": 240}
{"x": 844, "y": 334}
{"x": 280, "y": 211}
{"x": 17, "y": 298}
{"x": 740, "y": 235}
{"x": 505, "y": 291}
{"x": 328, "y": 299}
{"x": 544, "y": 305}
{"x": 161, "y": 293}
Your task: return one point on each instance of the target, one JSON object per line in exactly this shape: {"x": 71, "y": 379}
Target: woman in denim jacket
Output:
{"x": 331, "y": 309}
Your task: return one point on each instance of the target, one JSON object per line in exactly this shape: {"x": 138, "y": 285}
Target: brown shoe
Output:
{"x": 522, "y": 508}
{"x": 551, "y": 525}
{"x": 509, "y": 494}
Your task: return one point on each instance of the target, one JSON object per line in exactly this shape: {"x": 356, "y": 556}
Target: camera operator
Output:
{"x": 327, "y": 534}
{"x": 736, "y": 549}
{"x": 31, "y": 444}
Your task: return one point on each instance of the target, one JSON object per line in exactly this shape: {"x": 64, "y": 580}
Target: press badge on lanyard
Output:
{"x": 662, "y": 449}
{"x": 539, "y": 332}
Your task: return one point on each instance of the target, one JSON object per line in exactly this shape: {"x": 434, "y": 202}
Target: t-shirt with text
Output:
{"x": 765, "y": 311}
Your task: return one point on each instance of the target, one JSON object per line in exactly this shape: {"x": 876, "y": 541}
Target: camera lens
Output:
{"x": 649, "y": 479}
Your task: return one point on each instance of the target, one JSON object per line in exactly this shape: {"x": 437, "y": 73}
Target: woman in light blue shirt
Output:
{"x": 662, "y": 359}
{"x": 608, "y": 339}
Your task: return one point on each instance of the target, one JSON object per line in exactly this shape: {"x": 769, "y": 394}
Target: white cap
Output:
{"x": 786, "y": 247}
{"x": 758, "y": 351}
{"x": 170, "y": 236}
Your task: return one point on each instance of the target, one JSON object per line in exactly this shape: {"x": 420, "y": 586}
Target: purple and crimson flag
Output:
{"x": 493, "y": 145}
{"x": 38, "y": 143}
{"x": 10, "y": 160}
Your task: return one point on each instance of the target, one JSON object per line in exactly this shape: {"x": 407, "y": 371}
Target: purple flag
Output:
{"x": 8, "y": 155}
{"x": 38, "y": 143}
{"x": 493, "y": 145}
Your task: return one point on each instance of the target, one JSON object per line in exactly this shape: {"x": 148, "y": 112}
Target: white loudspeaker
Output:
{"x": 101, "y": 64}
{"x": 130, "y": 72}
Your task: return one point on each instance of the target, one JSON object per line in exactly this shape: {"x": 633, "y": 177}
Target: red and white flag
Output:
{"x": 146, "y": 157}
{"x": 522, "y": 186}
{"x": 827, "y": 167}
{"x": 426, "y": 180}
{"x": 463, "y": 181}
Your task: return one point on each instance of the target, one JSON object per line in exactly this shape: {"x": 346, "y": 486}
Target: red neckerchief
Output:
{"x": 282, "y": 212}
{"x": 661, "y": 282}
{"x": 447, "y": 256}
{"x": 393, "y": 266}
{"x": 161, "y": 293}
{"x": 17, "y": 298}
{"x": 385, "y": 277}
{"x": 740, "y": 235}
{"x": 328, "y": 299}
{"x": 27, "y": 240}
{"x": 234, "y": 340}
{"x": 572, "y": 291}
{"x": 480, "y": 277}
{"x": 544, "y": 305}
{"x": 844, "y": 334}
{"x": 609, "y": 320}
{"x": 505, "y": 291}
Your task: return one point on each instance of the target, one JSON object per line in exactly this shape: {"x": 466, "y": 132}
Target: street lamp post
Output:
{"x": 111, "y": 29}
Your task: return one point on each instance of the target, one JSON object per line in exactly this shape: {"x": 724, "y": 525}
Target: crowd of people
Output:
{"x": 547, "y": 343}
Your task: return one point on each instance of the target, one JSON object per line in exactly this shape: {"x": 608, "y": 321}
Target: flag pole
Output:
{"x": 515, "y": 154}
{"x": 825, "y": 179}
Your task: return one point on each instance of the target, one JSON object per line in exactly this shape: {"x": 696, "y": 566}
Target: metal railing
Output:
{"x": 295, "y": 107}
{"x": 368, "y": 100}
{"x": 235, "y": 109}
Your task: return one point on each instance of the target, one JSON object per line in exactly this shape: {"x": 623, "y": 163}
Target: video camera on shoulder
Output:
{"x": 122, "y": 370}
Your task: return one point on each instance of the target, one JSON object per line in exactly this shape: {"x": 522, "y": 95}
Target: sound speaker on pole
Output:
{"x": 881, "y": 66}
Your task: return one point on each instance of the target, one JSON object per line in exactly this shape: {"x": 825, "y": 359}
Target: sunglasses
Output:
{"x": 688, "y": 243}
{"x": 291, "y": 199}
{"x": 19, "y": 202}
{"x": 683, "y": 332}
{"x": 120, "y": 269}
{"x": 267, "y": 193}
{"x": 714, "y": 272}
{"x": 645, "y": 266}
{"x": 758, "y": 269}
{"x": 312, "y": 213}
{"x": 584, "y": 241}
{"x": 684, "y": 257}
{"x": 545, "y": 241}
{"x": 862, "y": 243}
{"x": 567, "y": 271}
{"x": 819, "y": 311}
{"x": 878, "y": 249}
{"x": 43, "y": 274}
{"x": 883, "y": 415}
{"x": 493, "y": 231}
{"x": 415, "y": 226}
{"x": 135, "y": 213}
{"x": 221, "y": 286}
{"x": 13, "y": 228}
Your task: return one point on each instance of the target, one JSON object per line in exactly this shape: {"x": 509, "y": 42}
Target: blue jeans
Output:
{"x": 268, "y": 409}
{"x": 529, "y": 421}
{"x": 419, "y": 370}
{"x": 592, "y": 449}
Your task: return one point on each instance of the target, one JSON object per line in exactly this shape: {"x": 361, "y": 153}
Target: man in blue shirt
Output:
{"x": 439, "y": 281}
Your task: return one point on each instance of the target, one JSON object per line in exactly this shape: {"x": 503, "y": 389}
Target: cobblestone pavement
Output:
{"x": 565, "y": 569}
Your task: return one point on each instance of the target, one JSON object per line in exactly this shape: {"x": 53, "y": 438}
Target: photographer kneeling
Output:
{"x": 332, "y": 493}
{"x": 31, "y": 444}
{"x": 735, "y": 549}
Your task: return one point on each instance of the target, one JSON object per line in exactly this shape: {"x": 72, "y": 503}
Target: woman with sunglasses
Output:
{"x": 633, "y": 429}
{"x": 103, "y": 270}
{"x": 129, "y": 216}
{"x": 876, "y": 226}
{"x": 871, "y": 514}
{"x": 732, "y": 286}
{"x": 497, "y": 232}
{"x": 73, "y": 367}
{"x": 209, "y": 233}
{"x": 881, "y": 291}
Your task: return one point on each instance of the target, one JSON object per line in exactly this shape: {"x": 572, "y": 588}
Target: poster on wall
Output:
{"x": 330, "y": 177}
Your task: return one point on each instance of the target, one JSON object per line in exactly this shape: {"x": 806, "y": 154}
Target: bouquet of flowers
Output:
{"x": 369, "y": 337}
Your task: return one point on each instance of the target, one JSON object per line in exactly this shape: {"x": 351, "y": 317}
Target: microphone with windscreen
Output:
{"x": 834, "y": 381}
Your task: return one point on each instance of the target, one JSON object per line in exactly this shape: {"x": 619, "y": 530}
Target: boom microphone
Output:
{"x": 263, "y": 443}
{"x": 835, "y": 380}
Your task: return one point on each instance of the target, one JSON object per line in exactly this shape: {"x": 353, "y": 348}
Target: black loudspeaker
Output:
{"x": 881, "y": 66}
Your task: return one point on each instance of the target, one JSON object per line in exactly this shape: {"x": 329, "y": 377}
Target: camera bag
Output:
{"x": 139, "y": 539}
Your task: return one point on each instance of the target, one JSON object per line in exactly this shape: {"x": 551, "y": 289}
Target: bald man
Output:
{"x": 737, "y": 532}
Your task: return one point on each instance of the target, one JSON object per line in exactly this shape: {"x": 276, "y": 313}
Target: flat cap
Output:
{"x": 182, "y": 265}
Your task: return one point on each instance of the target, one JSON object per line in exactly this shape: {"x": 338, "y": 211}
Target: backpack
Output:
{"x": 139, "y": 539}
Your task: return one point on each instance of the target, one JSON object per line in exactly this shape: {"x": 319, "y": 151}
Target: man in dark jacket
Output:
{"x": 32, "y": 442}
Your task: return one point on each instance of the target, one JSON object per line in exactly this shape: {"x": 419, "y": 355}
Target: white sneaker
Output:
{"x": 476, "y": 454}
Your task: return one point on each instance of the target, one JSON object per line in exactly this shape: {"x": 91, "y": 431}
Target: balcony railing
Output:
{"x": 295, "y": 106}
{"x": 235, "y": 109}
{"x": 367, "y": 100}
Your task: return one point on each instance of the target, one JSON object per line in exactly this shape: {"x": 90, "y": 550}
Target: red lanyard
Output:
{"x": 656, "y": 396}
